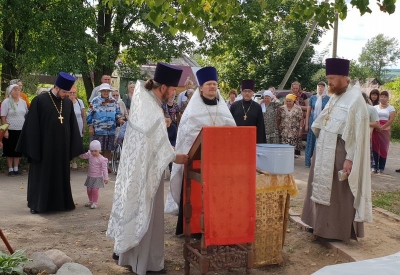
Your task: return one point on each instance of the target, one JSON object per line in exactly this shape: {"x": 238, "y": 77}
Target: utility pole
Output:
{"x": 299, "y": 53}
{"x": 335, "y": 36}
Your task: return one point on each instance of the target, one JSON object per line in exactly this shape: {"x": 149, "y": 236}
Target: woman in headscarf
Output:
{"x": 269, "y": 110}
{"x": 290, "y": 121}
{"x": 315, "y": 105}
{"x": 13, "y": 111}
{"x": 80, "y": 114}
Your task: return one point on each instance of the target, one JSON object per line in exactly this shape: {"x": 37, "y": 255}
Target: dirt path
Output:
{"x": 81, "y": 233}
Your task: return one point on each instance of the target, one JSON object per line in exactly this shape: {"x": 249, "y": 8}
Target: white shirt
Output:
{"x": 384, "y": 114}
{"x": 15, "y": 118}
{"x": 78, "y": 106}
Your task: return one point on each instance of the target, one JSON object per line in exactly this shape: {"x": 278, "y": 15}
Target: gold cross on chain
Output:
{"x": 245, "y": 117}
{"x": 61, "y": 118}
{"x": 326, "y": 120}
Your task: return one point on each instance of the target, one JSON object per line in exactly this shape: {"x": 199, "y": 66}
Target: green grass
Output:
{"x": 389, "y": 201}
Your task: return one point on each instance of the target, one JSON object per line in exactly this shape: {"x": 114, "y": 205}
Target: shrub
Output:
{"x": 13, "y": 264}
{"x": 394, "y": 87}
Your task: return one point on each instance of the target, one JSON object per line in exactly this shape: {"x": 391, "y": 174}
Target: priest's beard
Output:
{"x": 336, "y": 90}
{"x": 165, "y": 97}
{"x": 59, "y": 96}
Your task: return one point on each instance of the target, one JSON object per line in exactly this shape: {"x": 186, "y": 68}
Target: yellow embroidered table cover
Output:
{"x": 272, "y": 212}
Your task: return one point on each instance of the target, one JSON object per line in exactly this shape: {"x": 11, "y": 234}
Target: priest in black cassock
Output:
{"x": 50, "y": 138}
{"x": 247, "y": 112}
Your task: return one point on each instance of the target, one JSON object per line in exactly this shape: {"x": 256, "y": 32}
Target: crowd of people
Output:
{"x": 348, "y": 133}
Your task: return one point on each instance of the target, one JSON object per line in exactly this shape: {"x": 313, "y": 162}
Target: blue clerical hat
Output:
{"x": 167, "y": 74}
{"x": 337, "y": 66}
{"x": 206, "y": 74}
{"x": 248, "y": 84}
{"x": 65, "y": 81}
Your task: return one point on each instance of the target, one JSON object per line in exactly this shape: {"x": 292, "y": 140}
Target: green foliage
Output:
{"x": 394, "y": 88}
{"x": 81, "y": 37}
{"x": 360, "y": 72}
{"x": 260, "y": 45}
{"x": 196, "y": 15}
{"x": 379, "y": 53}
{"x": 12, "y": 264}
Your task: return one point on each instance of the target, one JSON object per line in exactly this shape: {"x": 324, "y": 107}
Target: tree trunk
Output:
{"x": 104, "y": 24}
{"x": 87, "y": 81}
{"x": 8, "y": 70}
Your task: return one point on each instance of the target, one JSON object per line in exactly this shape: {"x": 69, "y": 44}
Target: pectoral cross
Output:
{"x": 326, "y": 120}
{"x": 245, "y": 116}
{"x": 61, "y": 118}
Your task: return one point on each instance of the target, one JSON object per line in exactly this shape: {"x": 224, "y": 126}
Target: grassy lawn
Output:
{"x": 389, "y": 201}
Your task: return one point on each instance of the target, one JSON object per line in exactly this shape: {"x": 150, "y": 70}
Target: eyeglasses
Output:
{"x": 116, "y": 95}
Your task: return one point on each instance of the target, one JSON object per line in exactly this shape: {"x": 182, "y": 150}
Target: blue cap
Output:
{"x": 65, "y": 81}
{"x": 248, "y": 84}
{"x": 206, "y": 74}
{"x": 167, "y": 74}
{"x": 337, "y": 66}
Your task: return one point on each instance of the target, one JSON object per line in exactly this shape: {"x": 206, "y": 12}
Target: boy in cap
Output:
{"x": 338, "y": 198}
{"x": 50, "y": 138}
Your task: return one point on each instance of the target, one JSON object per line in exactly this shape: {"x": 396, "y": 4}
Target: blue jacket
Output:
{"x": 103, "y": 115}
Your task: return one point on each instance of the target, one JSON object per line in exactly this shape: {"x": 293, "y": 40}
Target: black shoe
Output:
{"x": 11, "y": 174}
{"x": 34, "y": 211}
{"x": 115, "y": 257}
{"x": 18, "y": 173}
{"x": 398, "y": 170}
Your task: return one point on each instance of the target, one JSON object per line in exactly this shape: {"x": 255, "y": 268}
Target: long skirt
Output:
{"x": 310, "y": 146}
{"x": 10, "y": 143}
{"x": 149, "y": 254}
{"x": 380, "y": 147}
{"x": 335, "y": 221}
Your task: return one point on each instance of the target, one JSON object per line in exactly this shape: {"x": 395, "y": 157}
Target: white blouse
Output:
{"x": 15, "y": 118}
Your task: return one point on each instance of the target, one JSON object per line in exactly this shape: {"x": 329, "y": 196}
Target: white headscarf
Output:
{"x": 318, "y": 104}
{"x": 266, "y": 93}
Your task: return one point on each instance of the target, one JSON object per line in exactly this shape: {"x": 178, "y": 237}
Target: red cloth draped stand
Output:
{"x": 219, "y": 199}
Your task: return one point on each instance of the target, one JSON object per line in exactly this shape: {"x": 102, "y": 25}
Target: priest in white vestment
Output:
{"x": 137, "y": 217}
{"x": 334, "y": 208}
{"x": 205, "y": 108}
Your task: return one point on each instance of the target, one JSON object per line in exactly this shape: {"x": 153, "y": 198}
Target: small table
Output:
{"x": 272, "y": 212}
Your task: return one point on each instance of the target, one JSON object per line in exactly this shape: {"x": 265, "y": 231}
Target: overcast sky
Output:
{"x": 355, "y": 31}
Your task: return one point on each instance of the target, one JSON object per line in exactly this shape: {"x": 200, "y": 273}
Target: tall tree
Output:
{"x": 195, "y": 15}
{"x": 260, "y": 45}
{"x": 379, "y": 53}
{"x": 81, "y": 37}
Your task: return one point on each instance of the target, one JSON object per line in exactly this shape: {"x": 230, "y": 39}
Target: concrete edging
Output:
{"x": 295, "y": 218}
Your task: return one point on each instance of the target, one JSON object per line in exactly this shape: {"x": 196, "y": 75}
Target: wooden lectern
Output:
{"x": 219, "y": 199}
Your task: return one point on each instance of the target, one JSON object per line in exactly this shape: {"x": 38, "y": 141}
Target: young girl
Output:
{"x": 97, "y": 174}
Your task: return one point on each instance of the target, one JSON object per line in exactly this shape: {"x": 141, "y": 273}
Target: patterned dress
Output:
{"x": 310, "y": 135}
{"x": 172, "y": 111}
{"x": 271, "y": 127}
{"x": 290, "y": 125}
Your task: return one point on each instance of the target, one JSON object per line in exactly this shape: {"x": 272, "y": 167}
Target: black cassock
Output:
{"x": 254, "y": 116}
{"x": 49, "y": 146}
